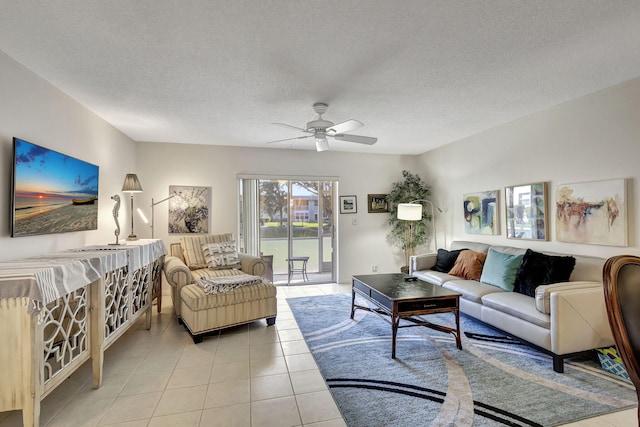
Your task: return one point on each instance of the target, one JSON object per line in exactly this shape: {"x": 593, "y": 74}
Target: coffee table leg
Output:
{"x": 458, "y": 339}
{"x": 395, "y": 320}
{"x": 353, "y": 302}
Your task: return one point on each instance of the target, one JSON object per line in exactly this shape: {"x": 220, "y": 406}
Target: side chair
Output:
{"x": 621, "y": 281}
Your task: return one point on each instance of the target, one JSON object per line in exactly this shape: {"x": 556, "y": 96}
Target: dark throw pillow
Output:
{"x": 446, "y": 259}
{"x": 540, "y": 269}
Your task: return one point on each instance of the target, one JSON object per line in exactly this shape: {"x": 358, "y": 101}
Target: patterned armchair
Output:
{"x": 186, "y": 264}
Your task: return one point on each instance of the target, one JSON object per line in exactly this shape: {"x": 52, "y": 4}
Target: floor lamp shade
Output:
{"x": 131, "y": 185}
{"x": 410, "y": 211}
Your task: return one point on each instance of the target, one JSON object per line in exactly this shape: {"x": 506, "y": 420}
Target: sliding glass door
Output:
{"x": 290, "y": 223}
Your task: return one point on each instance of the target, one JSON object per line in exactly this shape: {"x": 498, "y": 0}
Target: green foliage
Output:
{"x": 408, "y": 234}
{"x": 274, "y": 198}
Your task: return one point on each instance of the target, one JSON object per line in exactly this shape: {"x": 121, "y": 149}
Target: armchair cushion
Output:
{"x": 221, "y": 256}
{"x": 192, "y": 248}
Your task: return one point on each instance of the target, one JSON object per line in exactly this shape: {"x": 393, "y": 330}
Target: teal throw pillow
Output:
{"x": 500, "y": 269}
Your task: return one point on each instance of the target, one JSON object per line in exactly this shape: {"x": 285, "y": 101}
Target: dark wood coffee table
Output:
{"x": 397, "y": 299}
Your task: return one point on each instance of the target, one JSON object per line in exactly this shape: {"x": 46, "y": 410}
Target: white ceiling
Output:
{"x": 418, "y": 73}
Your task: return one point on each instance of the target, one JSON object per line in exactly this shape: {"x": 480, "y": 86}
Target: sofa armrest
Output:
{"x": 422, "y": 262}
{"x": 252, "y": 264}
{"x": 579, "y": 320}
{"x": 543, "y": 292}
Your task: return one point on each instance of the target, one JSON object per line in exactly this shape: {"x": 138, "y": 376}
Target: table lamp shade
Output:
{"x": 410, "y": 211}
{"x": 131, "y": 184}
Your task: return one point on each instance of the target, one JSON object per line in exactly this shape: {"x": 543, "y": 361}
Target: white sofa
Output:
{"x": 564, "y": 318}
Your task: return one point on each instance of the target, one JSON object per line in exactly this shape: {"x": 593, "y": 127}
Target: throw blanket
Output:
{"x": 214, "y": 285}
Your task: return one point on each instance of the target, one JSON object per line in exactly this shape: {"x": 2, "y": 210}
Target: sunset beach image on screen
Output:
{"x": 52, "y": 192}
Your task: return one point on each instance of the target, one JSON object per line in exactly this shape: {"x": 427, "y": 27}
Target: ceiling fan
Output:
{"x": 321, "y": 129}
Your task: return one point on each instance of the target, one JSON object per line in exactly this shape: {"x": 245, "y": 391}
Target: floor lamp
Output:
{"x": 131, "y": 185}
{"x": 153, "y": 204}
{"x": 412, "y": 211}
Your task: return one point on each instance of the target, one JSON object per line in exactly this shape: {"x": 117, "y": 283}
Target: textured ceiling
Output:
{"x": 419, "y": 74}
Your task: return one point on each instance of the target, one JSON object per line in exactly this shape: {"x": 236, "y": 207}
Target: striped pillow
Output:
{"x": 221, "y": 256}
{"x": 192, "y": 248}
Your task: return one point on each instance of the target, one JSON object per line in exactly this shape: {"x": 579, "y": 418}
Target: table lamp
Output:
{"x": 131, "y": 185}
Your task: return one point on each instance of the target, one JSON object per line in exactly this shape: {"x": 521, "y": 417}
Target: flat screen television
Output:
{"x": 52, "y": 192}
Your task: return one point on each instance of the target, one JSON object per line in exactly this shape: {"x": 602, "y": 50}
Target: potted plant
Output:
{"x": 407, "y": 235}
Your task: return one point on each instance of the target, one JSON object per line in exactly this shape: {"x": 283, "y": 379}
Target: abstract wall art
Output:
{"x": 481, "y": 213}
{"x": 592, "y": 212}
{"x": 189, "y": 209}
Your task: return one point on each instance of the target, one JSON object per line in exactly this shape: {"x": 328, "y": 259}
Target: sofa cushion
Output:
{"x": 469, "y": 265}
{"x": 500, "y": 269}
{"x": 474, "y": 246}
{"x": 446, "y": 260}
{"x": 221, "y": 256}
{"x": 541, "y": 269}
{"x": 471, "y": 290}
{"x": 434, "y": 277}
{"x": 517, "y": 305}
{"x": 192, "y": 248}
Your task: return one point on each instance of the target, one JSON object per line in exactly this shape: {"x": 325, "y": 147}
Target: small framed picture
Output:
{"x": 378, "y": 203}
{"x": 348, "y": 204}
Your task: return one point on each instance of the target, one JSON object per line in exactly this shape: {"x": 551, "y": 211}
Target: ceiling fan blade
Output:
{"x": 356, "y": 138}
{"x": 347, "y": 126}
{"x": 291, "y": 127}
{"x": 290, "y": 139}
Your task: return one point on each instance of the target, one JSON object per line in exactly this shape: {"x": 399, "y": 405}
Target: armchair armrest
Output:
{"x": 176, "y": 272}
{"x": 543, "y": 293}
{"x": 422, "y": 262}
{"x": 252, "y": 264}
{"x": 178, "y": 276}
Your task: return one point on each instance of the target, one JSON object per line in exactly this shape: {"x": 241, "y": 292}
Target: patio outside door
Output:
{"x": 296, "y": 221}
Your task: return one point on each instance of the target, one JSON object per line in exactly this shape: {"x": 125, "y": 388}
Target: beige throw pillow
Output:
{"x": 221, "y": 256}
{"x": 192, "y": 248}
{"x": 469, "y": 265}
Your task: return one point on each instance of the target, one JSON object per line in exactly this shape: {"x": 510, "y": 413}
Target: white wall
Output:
{"x": 596, "y": 137}
{"x": 360, "y": 246}
{"x": 32, "y": 109}
{"x": 593, "y": 138}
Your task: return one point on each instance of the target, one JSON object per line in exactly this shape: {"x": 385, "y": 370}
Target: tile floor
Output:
{"x": 251, "y": 375}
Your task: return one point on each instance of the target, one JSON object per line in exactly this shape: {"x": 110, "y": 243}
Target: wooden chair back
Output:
{"x": 621, "y": 279}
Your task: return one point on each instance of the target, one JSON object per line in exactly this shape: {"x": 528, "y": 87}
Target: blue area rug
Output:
{"x": 494, "y": 380}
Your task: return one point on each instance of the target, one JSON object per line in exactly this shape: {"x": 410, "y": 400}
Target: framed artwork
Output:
{"x": 348, "y": 204}
{"x": 52, "y": 192}
{"x": 592, "y": 212}
{"x": 481, "y": 213}
{"x": 189, "y": 209}
{"x": 378, "y": 203}
{"x": 526, "y": 209}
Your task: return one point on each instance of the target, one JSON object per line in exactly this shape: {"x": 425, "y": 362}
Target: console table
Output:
{"x": 57, "y": 311}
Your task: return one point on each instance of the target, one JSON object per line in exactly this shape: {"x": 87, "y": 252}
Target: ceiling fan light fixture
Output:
{"x": 322, "y": 144}
{"x": 321, "y": 129}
